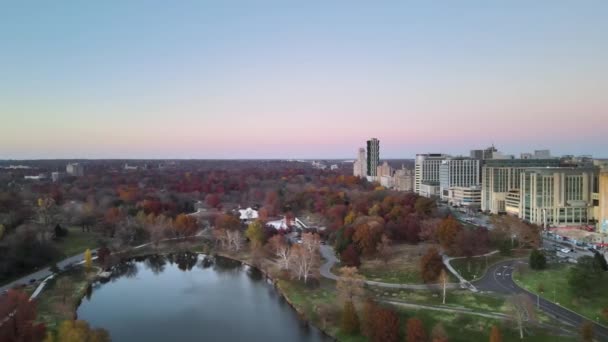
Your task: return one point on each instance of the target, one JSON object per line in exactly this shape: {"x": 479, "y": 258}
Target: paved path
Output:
{"x": 494, "y": 315}
{"x": 45, "y": 272}
{"x": 499, "y": 278}
{"x": 330, "y": 260}
{"x": 72, "y": 261}
{"x": 463, "y": 282}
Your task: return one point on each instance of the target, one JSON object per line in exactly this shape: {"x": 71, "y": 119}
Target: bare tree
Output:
{"x": 350, "y": 283}
{"x": 303, "y": 261}
{"x": 220, "y": 237}
{"x": 384, "y": 248}
{"x": 311, "y": 242}
{"x": 235, "y": 239}
{"x": 521, "y": 310}
{"x": 281, "y": 249}
{"x": 443, "y": 280}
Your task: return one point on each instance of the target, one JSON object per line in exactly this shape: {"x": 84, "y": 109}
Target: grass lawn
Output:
{"x": 556, "y": 288}
{"x": 454, "y": 298}
{"x": 52, "y": 309}
{"x": 401, "y": 268}
{"x": 318, "y": 304}
{"x": 475, "y": 268}
{"x": 77, "y": 242}
{"x": 467, "y": 328}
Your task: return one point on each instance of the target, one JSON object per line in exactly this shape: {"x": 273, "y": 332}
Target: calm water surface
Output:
{"x": 190, "y": 297}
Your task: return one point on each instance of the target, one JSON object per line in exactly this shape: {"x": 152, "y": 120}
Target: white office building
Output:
{"x": 458, "y": 172}
{"x": 427, "y": 172}
{"x": 558, "y": 196}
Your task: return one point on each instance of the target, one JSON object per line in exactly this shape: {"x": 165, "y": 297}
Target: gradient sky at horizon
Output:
{"x": 313, "y": 79}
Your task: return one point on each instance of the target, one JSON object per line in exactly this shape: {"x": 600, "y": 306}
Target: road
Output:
{"x": 499, "y": 279}
{"x": 550, "y": 243}
{"x": 44, "y": 272}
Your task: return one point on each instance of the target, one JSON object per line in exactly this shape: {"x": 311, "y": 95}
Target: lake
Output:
{"x": 192, "y": 297}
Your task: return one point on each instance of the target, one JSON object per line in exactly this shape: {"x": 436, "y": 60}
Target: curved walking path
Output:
{"x": 463, "y": 282}
{"x": 330, "y": 260}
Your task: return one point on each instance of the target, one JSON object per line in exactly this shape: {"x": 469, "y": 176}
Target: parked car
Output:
{"x": 565, "y": 250}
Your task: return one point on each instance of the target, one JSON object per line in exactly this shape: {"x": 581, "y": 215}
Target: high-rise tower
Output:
{"x": 373, "y": 156}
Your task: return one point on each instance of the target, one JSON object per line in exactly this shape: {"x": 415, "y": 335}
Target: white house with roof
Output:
{"x": 248, "y": 214}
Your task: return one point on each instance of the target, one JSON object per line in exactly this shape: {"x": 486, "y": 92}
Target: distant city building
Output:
{"x": 384, "y": 170}
{"x": 580, "y": 161}
{"x": 487, "y": 153}
{"x": 538, "y": 154}
{"x": 373, "y": 156}
{"x": 500, "y": 176}
{"x": 334, "y": 167}
{"x": 403, "y": 180}
{"x": 360, "y": 165}
{"x": 39, "y": 176}
{"x": 318, "y": 165}
{"x": 386, "y": 181}
{"x": 75, "y": 169}
{"x": 557, "y": 196}
{"x": 542, "y": 154}
{"x": 128, "y": 167}
{"x": 427, "y": 171}
{"x": 56, "y": 176}
{"x": 601, "y": 199}
{"x": 458, "y": 172}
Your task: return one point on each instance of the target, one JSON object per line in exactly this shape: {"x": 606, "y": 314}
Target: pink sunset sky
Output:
{"x": 316, "y": 80}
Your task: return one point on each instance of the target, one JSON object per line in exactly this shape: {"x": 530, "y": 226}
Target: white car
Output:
{"x": 565, "y": 250}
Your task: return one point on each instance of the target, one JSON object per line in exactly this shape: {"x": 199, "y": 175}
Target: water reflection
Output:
{"x": 156, "y": 263}
{"x": 161, "y": 298}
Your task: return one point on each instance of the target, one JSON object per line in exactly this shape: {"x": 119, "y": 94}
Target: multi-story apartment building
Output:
{"x": 458, "y": 172}
{"x": 404, "y": 180}
{"x": 373, "y": 156}
{"x": 427, "y": 172}
{"x": 360, "y": 165}
{"x": 557, "y": 196}
{"x": 384, "y": 170}
{"x": 501, "y": 176}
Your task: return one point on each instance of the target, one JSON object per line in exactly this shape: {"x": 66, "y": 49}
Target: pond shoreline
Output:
{"x": 281, "y": 292}
{"x": 275, "y": 282}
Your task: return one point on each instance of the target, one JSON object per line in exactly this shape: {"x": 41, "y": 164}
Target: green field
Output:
{"x": 468, "y": 328}
{"x": 554, "y": 280}
{"x": 475, "y": 268}
{"x": 77, "y": 242}
{"x": 52, "y": 309}
{"x": 460, "y": 327}
{"x": 454, "y": 298}
{"x": 387, "y": 275}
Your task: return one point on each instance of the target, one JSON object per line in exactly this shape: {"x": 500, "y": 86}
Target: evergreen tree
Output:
{"x": 350, "y": 320}
{"x": 538, "y": 261}
{"x": 600, "y": 261}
